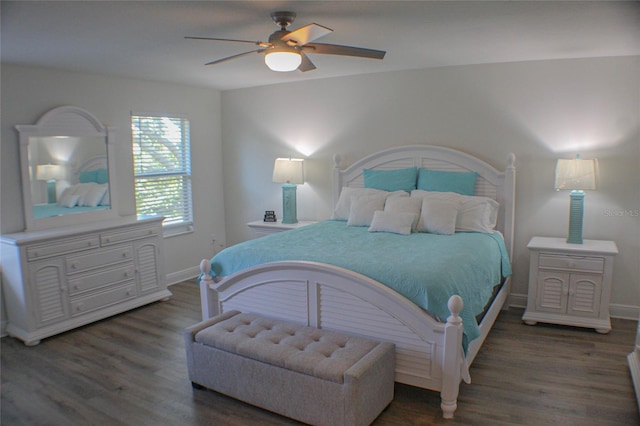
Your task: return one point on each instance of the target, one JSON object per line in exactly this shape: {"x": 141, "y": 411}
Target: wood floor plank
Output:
{"x": 130, "y": 369}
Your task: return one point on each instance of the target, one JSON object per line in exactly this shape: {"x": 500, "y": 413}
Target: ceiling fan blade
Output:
{"x": 335, "y": 49}
{"x": 257, "y": 43}
{"x": 306, "y": 34}
{"x": 306, "y": 64}
{"x": 228, "y": 58}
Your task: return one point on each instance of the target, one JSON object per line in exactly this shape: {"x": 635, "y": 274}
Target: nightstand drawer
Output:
{"x": 577, "y": 263}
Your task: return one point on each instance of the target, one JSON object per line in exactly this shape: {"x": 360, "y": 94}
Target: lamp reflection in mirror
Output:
{"x": 576, "y": 175}
{"x": 289, "y": 172}
{"x": 50, "y": 173}
{"x": 283, "y": 60}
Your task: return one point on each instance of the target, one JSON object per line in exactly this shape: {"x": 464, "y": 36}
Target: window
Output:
{"x": 162, "y": 169}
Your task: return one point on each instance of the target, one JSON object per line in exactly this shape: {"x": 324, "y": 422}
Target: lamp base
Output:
{"x": 51, "y": 191}
{"x": 576, "y": 213}
{"x": 289, "y": 203}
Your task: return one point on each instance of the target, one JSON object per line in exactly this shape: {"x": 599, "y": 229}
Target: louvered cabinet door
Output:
{"x": 48, "y": 286}
{"x": 147, "y": 265}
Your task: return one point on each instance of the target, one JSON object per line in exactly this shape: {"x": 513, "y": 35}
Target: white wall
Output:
{"x": 29, "y": 92}
{"x": 539, "y": 110}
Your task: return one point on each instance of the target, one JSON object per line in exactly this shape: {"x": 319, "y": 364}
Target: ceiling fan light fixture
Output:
{"x": 283, "y": 60}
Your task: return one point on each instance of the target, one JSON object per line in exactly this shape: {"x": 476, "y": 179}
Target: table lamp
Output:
{"x": 576, "y": 175}
{"x": 288, "y": 171}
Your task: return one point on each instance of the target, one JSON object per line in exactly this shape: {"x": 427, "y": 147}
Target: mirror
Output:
{"x": 67, "y": 170}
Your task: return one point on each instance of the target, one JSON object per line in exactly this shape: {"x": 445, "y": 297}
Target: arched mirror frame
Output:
{"x": 69, "y": 121}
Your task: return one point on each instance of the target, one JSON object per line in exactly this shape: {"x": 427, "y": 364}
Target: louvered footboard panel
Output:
{"x": 285, "y": 300}
{"x": 344, "y": 312}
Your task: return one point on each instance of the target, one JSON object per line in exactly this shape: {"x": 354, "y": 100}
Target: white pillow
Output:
{"x": 363, "y": 208}
{"x": 395, "y": 222}
{"x": 343, "y": 206}
{"x": 66, "y": 193}
{"x": 438, "y": 216}
{"x": 476, "y": 214}
{"x": 82, "y": 189}
{"x": 106, "y": 200}
{"x": 69, "y": 200}
{"x": 411, "y": 205}
{"x": 94, "y": 195}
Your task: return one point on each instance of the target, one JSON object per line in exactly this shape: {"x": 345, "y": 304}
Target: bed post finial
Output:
{"x": 208, "y": 296}
{"x": 511, "y": 161}
{"x": 454, "y": 359}
{"x": 337, "y": 160}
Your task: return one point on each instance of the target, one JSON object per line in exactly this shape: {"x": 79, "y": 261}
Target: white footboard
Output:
{"x": 428, "y": 352}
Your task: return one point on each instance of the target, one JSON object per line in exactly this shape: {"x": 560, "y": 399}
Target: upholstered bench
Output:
{"x": 311, "y": 375}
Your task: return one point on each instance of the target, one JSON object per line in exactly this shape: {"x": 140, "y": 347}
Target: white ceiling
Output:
{"x": 145, "y": 39}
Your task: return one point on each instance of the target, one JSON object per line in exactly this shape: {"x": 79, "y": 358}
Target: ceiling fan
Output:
{"x": 287, "y": 50}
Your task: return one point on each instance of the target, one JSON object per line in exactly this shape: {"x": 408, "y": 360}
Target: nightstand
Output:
{"x": 570, "y": 284}
{"x": 261, "y": 228}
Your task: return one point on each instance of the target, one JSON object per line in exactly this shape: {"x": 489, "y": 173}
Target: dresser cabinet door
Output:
{"x": 47, "y": 279}
{"x": 147, "y": 265}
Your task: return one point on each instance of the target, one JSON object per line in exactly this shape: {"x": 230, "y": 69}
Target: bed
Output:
{"x": 88, "y": 191}
{"x": 435, "y": 343}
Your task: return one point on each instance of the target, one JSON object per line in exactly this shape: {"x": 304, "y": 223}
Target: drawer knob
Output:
{"x": 572, "y": 264}
{"x": 126, "y": 273}
{"x": 35, "y": 254}
{"x": 107, "y": 240}
{"x": 89, "y": 243}
{"x": 74, "y": 265}
{"x": 124, "y": 254}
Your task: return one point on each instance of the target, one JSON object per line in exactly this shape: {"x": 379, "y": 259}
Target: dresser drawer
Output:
{"x": 100, "y": 279}
{"x": 576, "y": 263}
{"x": 98, "y": 258}
{"x": 62, "y": 246}
{"x": 82, "y": 305}
{"x": 110, "y": 238}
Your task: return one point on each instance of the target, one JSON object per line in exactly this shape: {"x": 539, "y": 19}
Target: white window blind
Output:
{"x": 162, "y": 168}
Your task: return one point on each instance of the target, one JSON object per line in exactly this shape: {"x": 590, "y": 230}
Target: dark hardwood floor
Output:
{"x": 130, "y": 369}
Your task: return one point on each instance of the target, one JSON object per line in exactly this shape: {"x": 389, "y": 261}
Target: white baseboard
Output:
{"x": 616, "y": 310}
{"x": 185, "y": 274}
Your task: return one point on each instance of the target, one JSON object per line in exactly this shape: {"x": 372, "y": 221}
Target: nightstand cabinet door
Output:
{"x": 553, "y": 289}
{"x": 585, "y": 292}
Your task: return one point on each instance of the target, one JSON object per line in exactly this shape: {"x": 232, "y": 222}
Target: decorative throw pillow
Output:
{"x": 94, "y": 195}
{"x": 69, "y": 200}
{"x": 409, "y": 205}
{"x": 443, "y": 181}
{"x": 363, "y": 208}
{"x": 395, "y": 222}
{"x": 475, "y": 213}
{"x": 391, "y": 180}
{"x": 343, "y": 206}
{"x": 438, "y": 216}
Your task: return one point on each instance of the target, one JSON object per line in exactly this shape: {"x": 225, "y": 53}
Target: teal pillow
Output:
{"x": 441, "y": 181}
{"x": 89, "y": 176}
{"x": 391, "y": 180}
{"x": 102, "y": 176}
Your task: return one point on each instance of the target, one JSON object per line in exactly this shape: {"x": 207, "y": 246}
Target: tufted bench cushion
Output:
{"x": 312, "y": 375}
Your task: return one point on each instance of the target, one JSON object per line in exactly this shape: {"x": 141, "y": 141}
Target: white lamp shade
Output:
{"x": 575, "y": 174}
{"x": 283, "y": 61}
{"x": 49, "y": 172}
{"x": 288, "y": 170}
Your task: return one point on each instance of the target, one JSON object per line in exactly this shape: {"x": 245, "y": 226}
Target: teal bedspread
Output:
{"x": 425, "y": 268}
{"x": 53, "y": 209}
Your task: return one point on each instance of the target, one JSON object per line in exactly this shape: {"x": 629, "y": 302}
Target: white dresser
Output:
{"x": 59, "y": 279}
